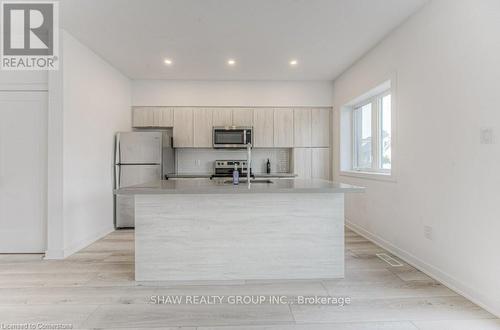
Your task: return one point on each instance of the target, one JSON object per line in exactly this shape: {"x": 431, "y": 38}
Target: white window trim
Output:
{"x": 379, "y": 131}
{"x": 375, "y": 138}
{"x": 388, "y": 87}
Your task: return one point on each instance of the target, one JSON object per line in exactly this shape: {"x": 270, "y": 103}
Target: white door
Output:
{"x": 23, "y": 170}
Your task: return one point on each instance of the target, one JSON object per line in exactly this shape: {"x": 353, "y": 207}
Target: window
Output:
{"x": 371, "y": 134}
{"x": 362, "y": 120}
{"x": 385, "y": 132}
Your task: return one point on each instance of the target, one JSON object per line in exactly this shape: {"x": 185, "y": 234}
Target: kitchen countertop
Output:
{"x": 188, "y": 175}
{"x": 208, "y": 175}
{"x": 275, "y": 175}
{"x": 217, "y": 186}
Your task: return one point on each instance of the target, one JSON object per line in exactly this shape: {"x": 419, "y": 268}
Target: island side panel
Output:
{"x": 240, "y": 236}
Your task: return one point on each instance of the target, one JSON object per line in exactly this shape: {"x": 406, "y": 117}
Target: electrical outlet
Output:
{"x": 197, "y": 162}
{"x": 428, "y": 232}
{"x": 486, "y": 135}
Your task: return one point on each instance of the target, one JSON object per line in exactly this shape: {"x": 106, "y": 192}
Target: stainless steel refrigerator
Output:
{"x": 140, "y": 157}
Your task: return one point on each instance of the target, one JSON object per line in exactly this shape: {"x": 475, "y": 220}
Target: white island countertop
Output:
{"x": 208, "y": 175}
{"x": 220, "y": 186}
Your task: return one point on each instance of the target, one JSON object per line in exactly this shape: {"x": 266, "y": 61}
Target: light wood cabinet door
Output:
{"x": 243, "y": 117}
{"x": 202, "y": 128}
{"x": 222, "y": 117}
{"x": 166, "y": 117}
{"x": 263, "y": 128}
{"x": 157, "y": 116}
{"x": 137, "y": 117}
{"x": 320, "y": 163}
{"x": 183, "y": 127}
{"x": 302, "y": 163}
{"x": 320, "y": 135}
{"x": 143, "y": 117}
{"x": 152, "y": 117}
{"x": 302, "y": 127}
{"x": 283, "y": 128}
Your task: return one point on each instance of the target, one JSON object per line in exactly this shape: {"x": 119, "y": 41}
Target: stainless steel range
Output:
{"x": 224, "y": 168}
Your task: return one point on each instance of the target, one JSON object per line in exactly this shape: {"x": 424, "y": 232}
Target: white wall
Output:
{"x": 446, "y": 59}
{"x": 231, "y": 93}
{"x": 95, "y": 105}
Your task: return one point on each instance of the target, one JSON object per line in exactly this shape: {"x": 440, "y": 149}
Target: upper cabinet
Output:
{"x": 152, "y": 117}
{"x": 183, "y": 128}
{"x": 222, "y": 117}
{"x": 166, "y": 117}
{"x": 242, "y": 117}
{"x": 142, "y": 117}
{"x": 202, "y": 119}
{"x": 272, "y": 127}
{"x": 302, "y": 127}
{"x": 283, "y": 128}
{"x": 320, "y": 128}
{"x": 263, "y": 128}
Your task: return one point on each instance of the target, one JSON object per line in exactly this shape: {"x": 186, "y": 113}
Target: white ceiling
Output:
{"x": 325, "y": 36}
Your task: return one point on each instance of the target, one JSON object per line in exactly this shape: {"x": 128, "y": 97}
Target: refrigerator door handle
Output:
{"x": 117, "y": 141}
{"x": 119, "y": 152}
{"x": 118, "y": 176}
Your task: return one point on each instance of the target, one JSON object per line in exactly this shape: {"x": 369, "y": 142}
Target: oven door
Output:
{"x": 230, "y": 138}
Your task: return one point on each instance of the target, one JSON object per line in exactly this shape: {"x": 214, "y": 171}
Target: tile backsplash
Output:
{"x": 194, "y": 160}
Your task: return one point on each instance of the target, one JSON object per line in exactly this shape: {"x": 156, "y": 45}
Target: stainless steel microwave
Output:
{"x": 232, "y": 137}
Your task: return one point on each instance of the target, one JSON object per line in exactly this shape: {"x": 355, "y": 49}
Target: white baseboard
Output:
{"x": 432, "y": 271}
{"x": 61, "y": 254}
{"x": 54, "y": 254}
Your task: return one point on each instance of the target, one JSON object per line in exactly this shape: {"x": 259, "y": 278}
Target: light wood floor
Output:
{"x": 95, "y": 289}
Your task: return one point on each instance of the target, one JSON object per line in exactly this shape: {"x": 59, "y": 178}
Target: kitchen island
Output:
{"x": 201, "y": 229}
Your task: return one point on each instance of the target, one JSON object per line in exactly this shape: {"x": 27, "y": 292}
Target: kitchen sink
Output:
{"x": 251, "y": 181}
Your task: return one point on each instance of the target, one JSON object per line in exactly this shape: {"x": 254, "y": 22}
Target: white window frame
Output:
{"x": 355, "y": 127}
{"x": 379, "y": 132}
{"x": 376, "y": 107}
{"x": 347, "y": 159}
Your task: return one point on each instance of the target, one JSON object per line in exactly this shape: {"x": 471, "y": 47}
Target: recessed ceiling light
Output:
{"x": 231, "y": 62}
{"x": 294, "y": 62}
{"x": 168, "y": 61}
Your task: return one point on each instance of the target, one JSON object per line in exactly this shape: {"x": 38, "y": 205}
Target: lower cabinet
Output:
{"x": 311, "y": 163}
{"x": 320, "y": 160}
{"x": 302, "y": 163}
